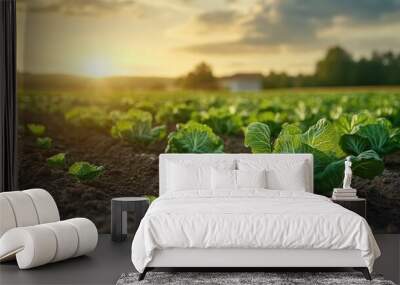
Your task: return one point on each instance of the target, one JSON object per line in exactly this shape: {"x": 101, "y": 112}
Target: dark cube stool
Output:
{"x": 357, "y": 205}
{"x": 119, "y": 216}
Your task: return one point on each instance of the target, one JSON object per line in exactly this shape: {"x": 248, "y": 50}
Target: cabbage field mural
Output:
{"x": 86, "y": 151}
{"x": 105, "y": 87}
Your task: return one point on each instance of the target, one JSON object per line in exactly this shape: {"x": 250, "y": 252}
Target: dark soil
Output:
{"x": 132, "y": 170}
{"x": 383, "y": 196}
{"x": 383, "y": 200}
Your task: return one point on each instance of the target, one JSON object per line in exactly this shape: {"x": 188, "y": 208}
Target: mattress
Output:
{"x": 250, "y": 219}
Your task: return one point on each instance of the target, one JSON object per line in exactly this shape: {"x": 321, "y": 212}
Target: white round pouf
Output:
{"x": 52, "y": 242}
{"x": 87, "y": 233}
{"x": 31, "y": 231}
{"x": 23, "y": 208}
{"x": 67, "y": 240}
{"x": 7, "y": 220}
{"x": 32, "y": 246}
{"x": 45, "y": 205}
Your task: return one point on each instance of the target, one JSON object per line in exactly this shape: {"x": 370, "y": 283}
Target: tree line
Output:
{"x": 336, "y": 68}
{"x": 339, "y": 68}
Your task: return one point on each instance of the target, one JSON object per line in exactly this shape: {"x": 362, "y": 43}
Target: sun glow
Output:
{"x": 97, "y": 67}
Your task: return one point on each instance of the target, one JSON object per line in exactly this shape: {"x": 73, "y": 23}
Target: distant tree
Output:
{"x": 278, "y": 80}
{"x": 336, "y": 68}
{"x": 379, "y": 69}
{"x": 391, "y": 68}
{"x": 201, "y": 77}
{"x": 367, "y": 72}
{"x": 302, "y": 80}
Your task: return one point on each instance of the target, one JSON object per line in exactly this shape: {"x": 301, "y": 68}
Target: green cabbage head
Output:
{"x": 194, "y": 137}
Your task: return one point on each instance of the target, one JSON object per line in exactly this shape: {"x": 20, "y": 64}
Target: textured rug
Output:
{"x": 244, "y": 278}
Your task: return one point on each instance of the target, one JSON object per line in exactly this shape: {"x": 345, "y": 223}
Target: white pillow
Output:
{"x": 294, "y": 180}
{"x": 251, "y": 178}
{"x": 230, "y": 180}
{"x": 281, "y": 174}
{"x": 181, "y": 177}
{"x": 223, "y": 179}
{"x": 189, "y": 175}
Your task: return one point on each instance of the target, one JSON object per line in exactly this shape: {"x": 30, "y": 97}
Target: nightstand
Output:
{"x": 358, "y": 205}
{"x": 119, "y": 216}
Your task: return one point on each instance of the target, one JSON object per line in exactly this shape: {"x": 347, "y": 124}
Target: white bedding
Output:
{"x": 250, "y": 219}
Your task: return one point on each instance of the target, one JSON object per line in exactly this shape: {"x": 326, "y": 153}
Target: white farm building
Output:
{"x": 242, "y": 82}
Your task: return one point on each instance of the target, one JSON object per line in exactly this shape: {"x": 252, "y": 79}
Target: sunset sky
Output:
{"x": 168, "y": 37}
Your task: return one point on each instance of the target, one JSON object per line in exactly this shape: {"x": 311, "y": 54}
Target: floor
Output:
{"x": 389, "y": 263}
{"x": 104, "y": 266}
{"x": 110, "y": 260}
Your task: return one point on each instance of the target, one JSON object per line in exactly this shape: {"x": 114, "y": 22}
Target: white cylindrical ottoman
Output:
{"x": 37, "y": 245}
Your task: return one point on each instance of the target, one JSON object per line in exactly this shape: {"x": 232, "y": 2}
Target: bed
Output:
{"x": 246, "y": 211}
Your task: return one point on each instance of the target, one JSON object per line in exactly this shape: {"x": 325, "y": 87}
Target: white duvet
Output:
{"x": 250, "y": 219}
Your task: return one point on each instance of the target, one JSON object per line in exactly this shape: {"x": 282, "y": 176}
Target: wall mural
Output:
{"x": 104, "y": 87}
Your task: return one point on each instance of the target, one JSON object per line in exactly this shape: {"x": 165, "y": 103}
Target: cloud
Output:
{"x": 75, "y": 7}
{"x": 222, "y": 23}
{"x": 230, "y": 47}
{"x": 207, "y": 26}
{"x": 217, "y": 18}
{"x": 294, "y": 24}
{"x": 292, "y": 21}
